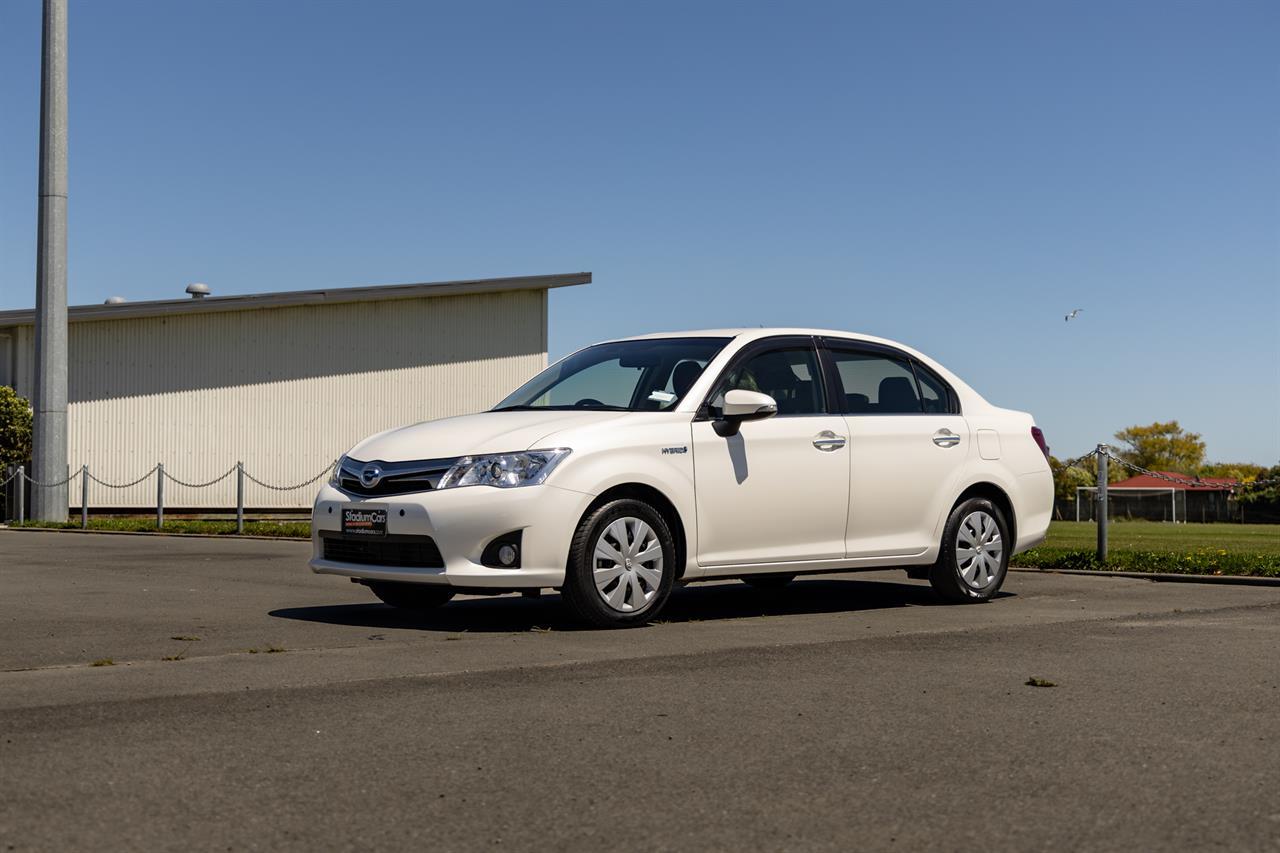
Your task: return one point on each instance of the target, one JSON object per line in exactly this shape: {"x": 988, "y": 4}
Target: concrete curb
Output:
{"x": 155, "y": 533}
{"x": 1242, "y": 580}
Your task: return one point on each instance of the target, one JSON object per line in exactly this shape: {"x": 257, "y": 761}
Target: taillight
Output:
{"x": 1038, "y": 435}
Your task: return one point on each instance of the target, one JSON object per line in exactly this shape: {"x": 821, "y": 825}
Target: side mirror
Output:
{"x": 739, "y": 406}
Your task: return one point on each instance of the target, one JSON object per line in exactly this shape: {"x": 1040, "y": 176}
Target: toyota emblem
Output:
{"x": 371, "y": 475}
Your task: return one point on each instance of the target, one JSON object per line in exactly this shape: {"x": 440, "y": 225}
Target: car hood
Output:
{"x": 469, "y": 435}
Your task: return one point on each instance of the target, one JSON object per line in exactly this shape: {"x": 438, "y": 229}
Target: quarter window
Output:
{"x": 933, "y": 394}
{"x": 789, "y": 375}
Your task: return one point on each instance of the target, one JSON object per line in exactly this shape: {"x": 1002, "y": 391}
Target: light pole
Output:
{"x": 49, "y": 441}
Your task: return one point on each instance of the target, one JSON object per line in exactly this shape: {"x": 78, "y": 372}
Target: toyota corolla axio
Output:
{"x": 634, "y": 465}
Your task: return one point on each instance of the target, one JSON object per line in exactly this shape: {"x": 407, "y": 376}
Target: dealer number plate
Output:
{"x": 364, "y": 521}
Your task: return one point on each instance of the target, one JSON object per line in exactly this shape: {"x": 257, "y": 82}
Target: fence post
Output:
{"x": 84, "y": 497}
{"x": 159, "y": 495}
{"x": 22, "y": 494}
{"x": 1102, "y": 503}
{"x": 240, "y": 497}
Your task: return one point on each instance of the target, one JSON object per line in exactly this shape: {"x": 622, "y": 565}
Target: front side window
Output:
{"x": 789, "y": 375}
{"x": 625, "y": 376}
{"x": 876, "y": 384}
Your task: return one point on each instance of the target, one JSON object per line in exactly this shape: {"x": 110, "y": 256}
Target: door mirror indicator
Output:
{"x": 741, "y": 405}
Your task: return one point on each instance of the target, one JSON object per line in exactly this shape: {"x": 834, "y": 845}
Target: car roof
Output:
{"x": 762, "y": 332}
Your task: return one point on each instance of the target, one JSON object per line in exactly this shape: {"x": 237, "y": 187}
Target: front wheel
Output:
{"x": 622, "y": 565}
{"x": 974, "y": 557}
{"x": 411, "y": 596}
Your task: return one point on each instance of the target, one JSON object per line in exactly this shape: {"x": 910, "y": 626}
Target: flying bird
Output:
{"x": 1072, "y": 315}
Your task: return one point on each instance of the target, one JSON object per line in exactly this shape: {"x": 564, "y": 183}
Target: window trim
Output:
{"x": 763, "y": 345}
{"x": 828, "y": 347}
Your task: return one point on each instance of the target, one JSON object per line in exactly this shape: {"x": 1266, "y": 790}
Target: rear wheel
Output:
{"x": 621, "y": 565}
{"x": 768, "y": 582}
{"x": 411, "y": 596}
{"x": 974, "y": 557}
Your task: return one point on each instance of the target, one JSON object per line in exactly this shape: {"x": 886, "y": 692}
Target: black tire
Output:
{"x": 411, "y": 596}
{"x": 947, "y": 576}
{"x": 579, "y": 591}
{"x": 768, "y": 582}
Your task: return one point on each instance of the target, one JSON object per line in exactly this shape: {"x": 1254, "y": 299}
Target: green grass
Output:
{"x": 1152, "y": 546}
{"x": 296, "y": 529}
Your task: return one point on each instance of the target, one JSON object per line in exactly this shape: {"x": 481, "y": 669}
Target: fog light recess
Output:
{"x": 503, "y": 552}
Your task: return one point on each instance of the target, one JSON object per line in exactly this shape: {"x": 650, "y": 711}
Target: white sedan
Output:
{"x": 634, "y": 465}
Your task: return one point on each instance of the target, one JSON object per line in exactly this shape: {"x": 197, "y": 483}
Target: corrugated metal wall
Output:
{"x": 284, "y": 390}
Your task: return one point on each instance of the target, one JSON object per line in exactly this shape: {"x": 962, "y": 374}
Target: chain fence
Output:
{"x": 1076, "y": 463}
{"x": 1182, "y": 499}
{"x": 1192, "y": 482}
{"x": 1103, "y": 455}
{"x": 215, "y": 481}
{"x": 296, "y": 486}
{"x": 85, "y": 477}
{"x": 129, "y": 485}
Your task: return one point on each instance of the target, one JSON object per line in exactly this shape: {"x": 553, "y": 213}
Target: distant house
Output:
{"x": 1152, "y": 497}
{"x": 1209, "y": 484}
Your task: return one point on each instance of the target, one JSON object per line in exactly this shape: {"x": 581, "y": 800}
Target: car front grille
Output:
{"x": 409, "y": 552}
{"x": 396, "y": 478}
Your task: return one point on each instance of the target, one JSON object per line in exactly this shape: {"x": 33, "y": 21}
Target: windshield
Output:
{"x": 627, "y": 376}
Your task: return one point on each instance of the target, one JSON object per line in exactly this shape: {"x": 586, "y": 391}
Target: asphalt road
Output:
{"x": 843, "y": 713}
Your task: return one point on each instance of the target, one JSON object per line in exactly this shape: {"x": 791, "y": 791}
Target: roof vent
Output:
{"x": 114, "y": 300}
{"x": 198, "y": 290}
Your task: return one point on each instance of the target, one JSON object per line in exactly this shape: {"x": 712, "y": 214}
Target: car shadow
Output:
{"x": 694, "y": 603}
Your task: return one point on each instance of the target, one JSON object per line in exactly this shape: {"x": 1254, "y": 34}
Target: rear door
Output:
{"x": 907, "y": 442}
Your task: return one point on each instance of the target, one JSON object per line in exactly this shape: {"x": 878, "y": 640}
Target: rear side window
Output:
{"x": 877, "y": 384}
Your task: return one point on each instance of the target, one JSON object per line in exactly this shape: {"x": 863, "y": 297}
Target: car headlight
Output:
{"x": 335, "y": 475}
{"x": 503, "y": 470}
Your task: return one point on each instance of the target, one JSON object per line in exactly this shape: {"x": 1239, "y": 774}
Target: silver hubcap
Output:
{"x": 628, "y": 565}
{"x": 978, "y": 549}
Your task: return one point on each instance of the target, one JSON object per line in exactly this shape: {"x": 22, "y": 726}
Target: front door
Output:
{"x": 778, "y": 491}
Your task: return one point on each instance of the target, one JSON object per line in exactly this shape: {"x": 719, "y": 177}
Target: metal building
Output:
{"x": 283, "y": 382}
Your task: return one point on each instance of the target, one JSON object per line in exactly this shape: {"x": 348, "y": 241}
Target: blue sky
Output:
{"x": 954, "y": 175}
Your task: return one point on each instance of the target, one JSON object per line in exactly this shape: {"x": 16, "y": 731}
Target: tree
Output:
{"x": 1242, "y": 471}
{"x": 1262, "y": 494}
{"x": 15, "y": 427}
{"x": 1162, "y": 447}
{"x": 1067, "y": 480}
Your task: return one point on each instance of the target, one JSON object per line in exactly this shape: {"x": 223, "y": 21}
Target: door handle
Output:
{"x": 828, "y": 441}
{"x": 945, "y": 438}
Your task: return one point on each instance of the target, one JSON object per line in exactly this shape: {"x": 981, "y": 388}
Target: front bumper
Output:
{"x": 462, "y": 522}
